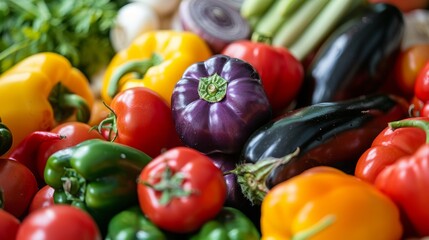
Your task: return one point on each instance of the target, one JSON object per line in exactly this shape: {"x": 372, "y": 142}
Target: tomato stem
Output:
{"x": 109, "y": 123}
{"x": 417, "y": 123}
{"x": 170, "y": 185}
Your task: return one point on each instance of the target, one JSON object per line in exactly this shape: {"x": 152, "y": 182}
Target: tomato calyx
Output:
{"x": 74, "y": 185}
{"x": 170, "y": 185}
{"x": 109, "y": 123}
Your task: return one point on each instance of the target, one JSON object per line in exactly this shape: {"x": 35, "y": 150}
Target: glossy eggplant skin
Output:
{"x": 356, "y": 58}
{"x": 329, "y": 134}
{"x": 218, "y": 103}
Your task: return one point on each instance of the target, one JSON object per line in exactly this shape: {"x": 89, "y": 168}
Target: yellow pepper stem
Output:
{"x": 137, "y": 66}
{"x": 315, "y": 229}
{"x": 65, "y": 103}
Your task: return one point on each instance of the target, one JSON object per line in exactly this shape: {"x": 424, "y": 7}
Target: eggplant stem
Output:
{"x": 252, "y": 176}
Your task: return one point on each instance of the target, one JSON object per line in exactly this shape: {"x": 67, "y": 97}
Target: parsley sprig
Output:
{"x": 78, "y": 30}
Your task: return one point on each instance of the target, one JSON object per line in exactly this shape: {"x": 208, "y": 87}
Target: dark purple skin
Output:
{"x": 225, "y": 125}
{"x": 235, "y": 197}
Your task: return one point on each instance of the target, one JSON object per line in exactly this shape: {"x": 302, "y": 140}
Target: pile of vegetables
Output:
{"x": 201, "y": 119}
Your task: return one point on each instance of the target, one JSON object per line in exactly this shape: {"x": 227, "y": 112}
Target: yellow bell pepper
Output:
{"x": 42, "y": 91}
{"x": 324, "y": 203}
{"x": 156, "y": 60}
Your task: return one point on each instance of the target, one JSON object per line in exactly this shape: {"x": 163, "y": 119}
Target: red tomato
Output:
{"x": 421, "y": 87}
{"x": 281, "y": 73}
{"x": 9, "y": 225}
{"x": 405, "y": 5}
{"x": 144, "y": 121}
{"x": 196, "y": 194}
{"x": 43, "y": 198}
{"x": 74, "y": 132}
{"x": 408, "y": 65}
{"x": 58, "y": 222}
{"x": 18, "y": 184}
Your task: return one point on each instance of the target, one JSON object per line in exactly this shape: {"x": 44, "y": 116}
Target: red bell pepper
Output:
{"x": 26, "y": 151}
{"x": 281, "y": 73}
{"x": 398, "y": 165}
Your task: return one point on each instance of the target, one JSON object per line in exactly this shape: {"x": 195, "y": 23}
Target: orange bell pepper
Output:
{"x": 325, "y": 203}
{"x": 156, "y": 60}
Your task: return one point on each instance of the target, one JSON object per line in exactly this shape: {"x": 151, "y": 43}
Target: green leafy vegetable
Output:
{"x": 78, "y": 30}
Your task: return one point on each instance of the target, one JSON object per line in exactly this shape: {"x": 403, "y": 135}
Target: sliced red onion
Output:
{"x": 215, "y": 21}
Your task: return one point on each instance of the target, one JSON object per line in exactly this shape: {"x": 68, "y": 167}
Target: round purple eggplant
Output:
{"x": 218, "y": 104}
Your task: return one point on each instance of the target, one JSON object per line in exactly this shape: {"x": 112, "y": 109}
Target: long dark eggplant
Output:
{"x": 328, "y": 134}
{"x": 356, "y": 58}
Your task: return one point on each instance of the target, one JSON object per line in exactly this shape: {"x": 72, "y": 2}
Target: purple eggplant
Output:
{"x": 218, "y": 104}
{"x": 235, "y": 197}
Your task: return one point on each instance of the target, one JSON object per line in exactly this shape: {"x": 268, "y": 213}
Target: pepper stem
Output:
{"x": 212, "y": 88}
{"x": 74, "y": 185}
{"x": 136, "y": 66}
{"x": 5, "y": 138}
{"x": 65, "y": 103}
{"x": 170, "y": 185}
{"x": 261, "y": 38}
{"x": 315, "y": 229}
{"x": 252, "y": 176}
{"x": 417, "y": 123}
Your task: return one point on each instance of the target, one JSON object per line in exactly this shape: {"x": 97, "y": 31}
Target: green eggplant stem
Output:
{"x": 315, "y": 229}
{"x": 252, "y": 176}
{"x": 135, "y": 66}
{"x": 212, "y": 88}
{"x": 417, "y": 123}
{"x": 5, "y": 138}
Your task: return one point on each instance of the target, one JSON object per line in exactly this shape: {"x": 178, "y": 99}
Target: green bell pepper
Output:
{"x": 5, "y": 138}
{"x": 229, "y": 224}
{"x": 96, "y": 175}
{"x": 132, "y": 224}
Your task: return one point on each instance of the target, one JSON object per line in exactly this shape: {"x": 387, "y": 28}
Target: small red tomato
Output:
{"x": 18, "y": 185}
{"x": 59, "y": 222}
{"x": 143, "y": 121}
{"x": 43, "y": 198}
{"x": 9, "y": 225}
{"x": 73, "y": 132}
{"x": 405, "y": 6}
{"x": 408, "y": 65}
{"x": 181, "y": 189}
{"x": 281, "y": 73}
{"x": 421, "y": 86}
